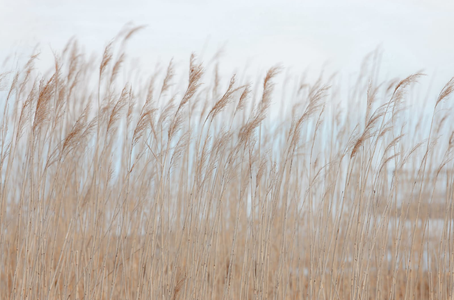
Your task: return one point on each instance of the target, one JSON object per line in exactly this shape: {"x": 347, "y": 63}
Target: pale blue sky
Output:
{"x": 414, "y": 35}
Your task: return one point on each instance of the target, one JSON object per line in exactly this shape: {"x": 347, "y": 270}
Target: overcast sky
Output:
{"x": 414, "y": 35}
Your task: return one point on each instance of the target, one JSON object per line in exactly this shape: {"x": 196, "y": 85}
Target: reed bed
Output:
{"x": 185, "y": 184}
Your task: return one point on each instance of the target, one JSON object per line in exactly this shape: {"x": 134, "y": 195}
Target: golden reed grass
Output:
{"x": 119, "y": 186}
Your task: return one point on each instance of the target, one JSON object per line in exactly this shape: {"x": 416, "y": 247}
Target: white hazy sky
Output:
{"x": 414, "y": 35}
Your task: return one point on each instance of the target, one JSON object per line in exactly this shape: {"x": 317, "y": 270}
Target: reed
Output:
{"x": 120, "y": 186}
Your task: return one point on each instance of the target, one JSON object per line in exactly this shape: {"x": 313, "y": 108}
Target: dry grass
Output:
{"x": 120, "y": 186}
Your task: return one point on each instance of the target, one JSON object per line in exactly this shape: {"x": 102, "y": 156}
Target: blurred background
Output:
{"x": 300, "y": 35}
